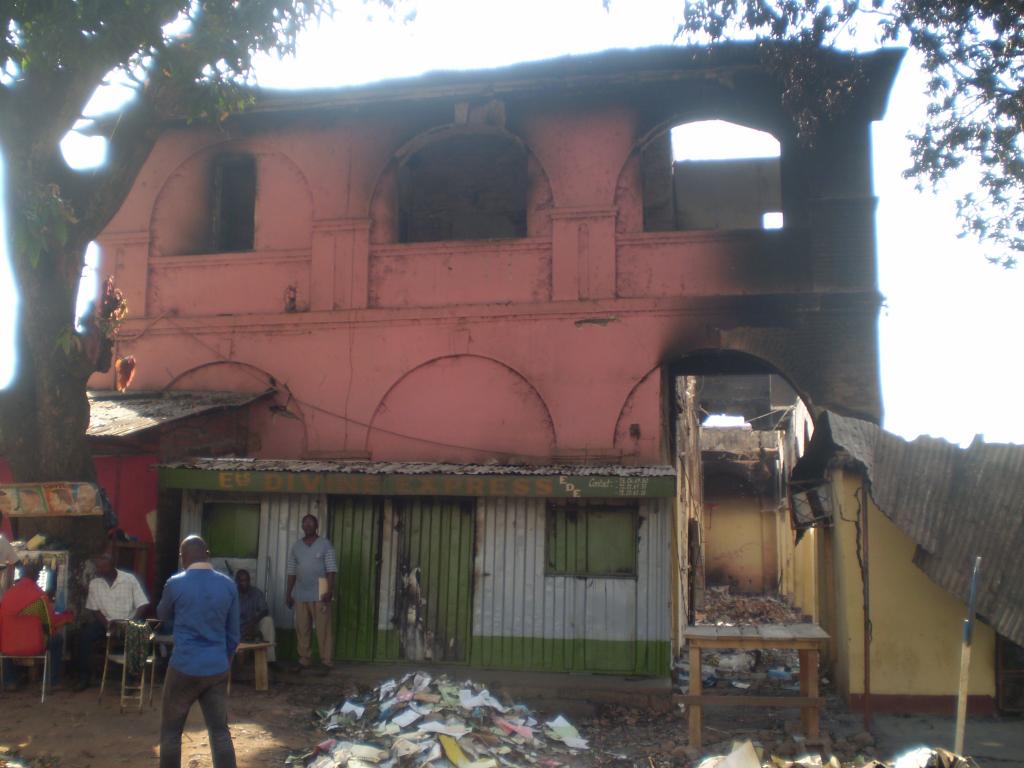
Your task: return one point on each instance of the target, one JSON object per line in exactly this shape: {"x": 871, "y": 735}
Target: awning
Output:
{"x": 955, "y": 503}
{"x": 370, "y": 478}
{"x": 118, "y": 414}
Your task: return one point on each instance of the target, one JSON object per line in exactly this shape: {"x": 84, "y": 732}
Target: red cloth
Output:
{"x": 23, "y": 635}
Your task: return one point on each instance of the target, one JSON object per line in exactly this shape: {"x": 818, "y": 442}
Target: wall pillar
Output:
{"x": 340, "y": 264}
{"x": 583, "y": 253}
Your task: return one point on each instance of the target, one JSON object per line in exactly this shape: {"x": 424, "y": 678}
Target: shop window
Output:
{"x": 588, "y": 539}
{"x": 469, "y": 187}
{"x": 234, "y": 203}
{"x": 711, "y": 175}
{"x": 232, "y": 530}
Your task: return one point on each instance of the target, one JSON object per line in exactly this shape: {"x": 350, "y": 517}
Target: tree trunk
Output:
{"x": 44, "y": 414}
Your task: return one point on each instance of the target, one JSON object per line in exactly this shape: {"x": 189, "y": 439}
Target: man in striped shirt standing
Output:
{"x": 312, "y": 568}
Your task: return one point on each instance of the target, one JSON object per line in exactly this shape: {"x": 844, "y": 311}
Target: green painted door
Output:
{"x": 356, "y": 533}
{"x": 434, "y": 596}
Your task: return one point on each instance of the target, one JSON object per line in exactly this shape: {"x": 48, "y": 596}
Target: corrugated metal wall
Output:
{"x": 523, "y": 618}
{"x": 280, "y": 525}
{"x": 355, "y": 531}
{"x": 387, "y": 647}
{"x": 435, "y": 566}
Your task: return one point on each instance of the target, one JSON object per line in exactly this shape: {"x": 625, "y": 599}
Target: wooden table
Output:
{"x": 806, "y": 639}
{"x": 259, "y": 657}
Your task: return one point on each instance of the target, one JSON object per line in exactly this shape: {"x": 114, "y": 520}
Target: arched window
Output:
{"x": 712, "y": 174}
{"x": 465, "y": 187}
{"x": 233, "y": 214}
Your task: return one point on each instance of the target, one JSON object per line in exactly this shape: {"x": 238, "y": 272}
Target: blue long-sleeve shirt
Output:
{"x": 203, "y": 606}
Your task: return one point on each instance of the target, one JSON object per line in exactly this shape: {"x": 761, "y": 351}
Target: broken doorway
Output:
{"x": 740, "y": 426}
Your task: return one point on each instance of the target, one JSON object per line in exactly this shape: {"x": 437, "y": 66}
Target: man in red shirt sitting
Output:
{"x": 28, "y": 623}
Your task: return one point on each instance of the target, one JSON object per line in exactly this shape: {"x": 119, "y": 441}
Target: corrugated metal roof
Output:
{"x": 955, "y": 503}
{"x": 416, "y": 468}
{"x": 117, "y": 414}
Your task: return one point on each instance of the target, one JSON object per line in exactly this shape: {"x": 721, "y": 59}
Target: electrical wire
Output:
{"x": 272, "y": 381}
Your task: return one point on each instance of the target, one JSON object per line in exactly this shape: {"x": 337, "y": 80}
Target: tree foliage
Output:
{"x": 974, "y": 55}
{"x": 183, "y": 59}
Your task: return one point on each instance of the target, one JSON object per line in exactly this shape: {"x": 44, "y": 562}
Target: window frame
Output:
{"x": 556, "y": 508}
{"x": 225, "y": 165}
{"x": 209, "y": 508}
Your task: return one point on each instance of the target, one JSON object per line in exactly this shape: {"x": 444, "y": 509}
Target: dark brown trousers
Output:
{"x": 181, "y": 691}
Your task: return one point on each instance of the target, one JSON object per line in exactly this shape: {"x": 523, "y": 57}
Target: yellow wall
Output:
{"x": 917, "y": 625}
{"x": 738, "y": 551}
{"x": 805, "y": 587}
{"x": 798, "y": 567}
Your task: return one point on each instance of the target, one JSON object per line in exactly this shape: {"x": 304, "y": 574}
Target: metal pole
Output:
{"x": 865, "y": 509}
{"x": 965, "y": 663}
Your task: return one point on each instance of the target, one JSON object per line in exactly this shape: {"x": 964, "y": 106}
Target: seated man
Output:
{"x": 114, "y": 595}
{"x": 28, "y": 624}
{"x": 254, "y": 615}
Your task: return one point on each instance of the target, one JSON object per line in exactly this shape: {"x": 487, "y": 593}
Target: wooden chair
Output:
{"x": 131, "y": 691}
{"x": 45, "y": 656}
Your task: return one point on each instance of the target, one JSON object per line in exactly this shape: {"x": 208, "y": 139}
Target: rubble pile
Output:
{"x": 724, "y": 609}
{"x": 424, "y": 721}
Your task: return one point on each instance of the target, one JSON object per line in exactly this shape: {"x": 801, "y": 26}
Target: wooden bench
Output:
{"x": 806, "y": 639}
{"x": 259, "y": 657}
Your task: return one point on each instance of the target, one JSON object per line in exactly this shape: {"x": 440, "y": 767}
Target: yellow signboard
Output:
{"x": 50, "y": 499}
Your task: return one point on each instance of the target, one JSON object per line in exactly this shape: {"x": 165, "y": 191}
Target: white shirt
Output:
{"x": 8, "y": 554}
{"x": 117, "y": 601}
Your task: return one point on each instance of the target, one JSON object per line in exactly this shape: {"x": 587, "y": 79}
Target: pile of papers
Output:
{"x": 420, "y": 720}
{"x": 746, "y": 755}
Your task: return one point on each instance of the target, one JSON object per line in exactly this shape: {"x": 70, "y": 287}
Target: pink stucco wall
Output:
{"x": 544, "y": 347}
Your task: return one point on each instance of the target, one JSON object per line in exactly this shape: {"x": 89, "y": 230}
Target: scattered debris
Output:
{"x": 421, "y": 720}
{"x": 927, "y": 757}
{"x": 747, "y": 754}
{"x": 737, "y": 661}
{"x": 724, "y": 609}
{"x": 766, "y": 671}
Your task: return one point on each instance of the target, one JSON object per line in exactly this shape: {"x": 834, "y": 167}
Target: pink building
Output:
{"x": 472, "y": 294}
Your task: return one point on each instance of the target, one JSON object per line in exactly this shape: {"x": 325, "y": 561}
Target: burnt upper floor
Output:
{"x": 543, "y": 182}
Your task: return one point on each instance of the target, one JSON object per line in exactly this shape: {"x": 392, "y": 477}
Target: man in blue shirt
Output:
{"x": 203, "y": 606}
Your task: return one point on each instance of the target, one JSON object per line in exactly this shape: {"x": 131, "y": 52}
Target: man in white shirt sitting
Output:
{"x": 114, "y": 595}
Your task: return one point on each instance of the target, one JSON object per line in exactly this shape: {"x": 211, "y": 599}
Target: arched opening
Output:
{"x": 464, "y": 187}
{"x": 739, "y": 427}
{"x": 711, "y": 175}
{"x": 220, "y": 200}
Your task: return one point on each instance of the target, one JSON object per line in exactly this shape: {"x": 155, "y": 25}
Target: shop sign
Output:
{"x": 50, "y": 500}
{"x": 542, "y": 486}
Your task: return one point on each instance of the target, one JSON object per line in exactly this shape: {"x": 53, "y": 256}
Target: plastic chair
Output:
{"x": 131, "y": 692}
{"x": 45, "y": 656}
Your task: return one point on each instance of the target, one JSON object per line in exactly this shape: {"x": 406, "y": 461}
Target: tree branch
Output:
{"x": 97, "y": 194}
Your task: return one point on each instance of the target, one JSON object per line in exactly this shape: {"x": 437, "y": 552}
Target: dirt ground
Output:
{"x": 77, "y": 730}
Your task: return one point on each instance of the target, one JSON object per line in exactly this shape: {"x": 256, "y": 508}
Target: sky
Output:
{"x": 949, "y": 327}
